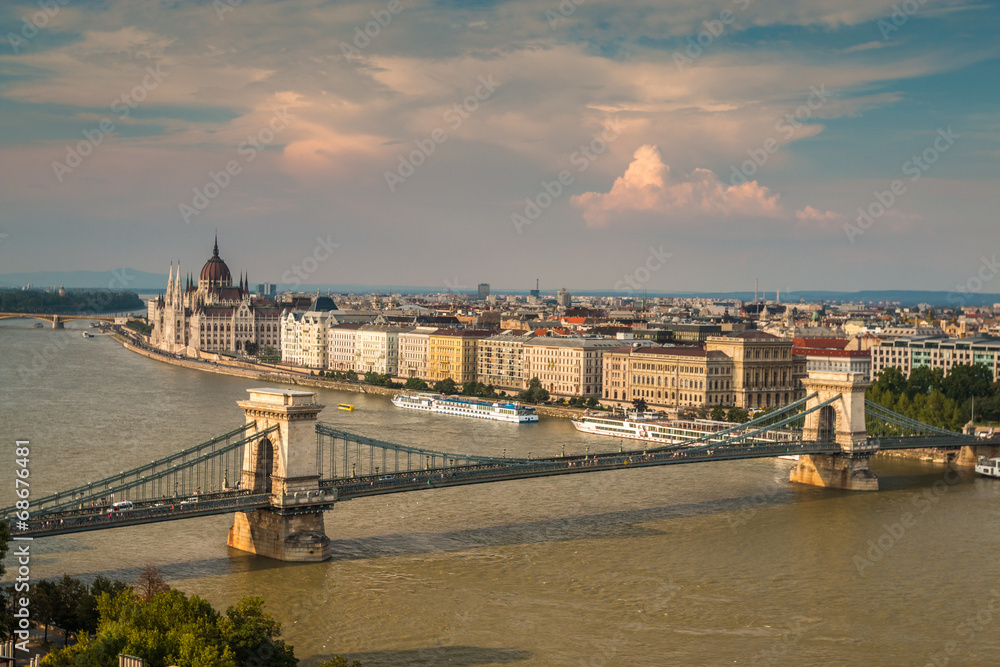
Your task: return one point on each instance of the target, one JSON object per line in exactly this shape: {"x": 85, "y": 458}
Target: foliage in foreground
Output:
{"x": 172, "y": 629}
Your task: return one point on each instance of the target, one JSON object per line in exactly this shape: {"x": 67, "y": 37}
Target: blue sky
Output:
{"x": 282, "y": 123}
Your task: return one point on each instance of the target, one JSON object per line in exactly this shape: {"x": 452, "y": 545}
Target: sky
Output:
{"x": 594, "y": 145}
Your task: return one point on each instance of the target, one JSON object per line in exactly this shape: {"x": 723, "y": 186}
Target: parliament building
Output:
{"x": 212, "y": 315}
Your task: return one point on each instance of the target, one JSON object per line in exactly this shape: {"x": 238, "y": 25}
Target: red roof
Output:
{"x": 821, "y": 343}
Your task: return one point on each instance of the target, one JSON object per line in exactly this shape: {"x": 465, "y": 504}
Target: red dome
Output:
{"x": 215, "y": 270}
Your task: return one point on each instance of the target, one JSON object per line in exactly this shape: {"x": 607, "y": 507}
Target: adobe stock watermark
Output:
{"x": 696, "y": 44}
{"x": 455, "y": 286}
{"x": 220, "y": 180}
{"x": 787, "y": 126}
{"x": 31, "y": 25}
{"x": 454, "y": 117}
{"x": 363, "y": 35}
{"x": 901, "y": 13}
{"x": 552, "y": 190}
{"x": 565, "y": 9}
{"x": 988, "y": 270}
{"x": 223, "y": 7}
{"x": 915, "y": 167}
{"x": 975, "y": 623}
{"x": 784, "y": 651}
{"x": 894, "y": 532}
{"x": 122, "y": 107}
{"x": 299, "y": 273}
{"x": 632, "y": 282}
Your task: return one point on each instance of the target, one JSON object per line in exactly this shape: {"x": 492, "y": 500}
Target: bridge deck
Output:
{"x": 338, "y": 490}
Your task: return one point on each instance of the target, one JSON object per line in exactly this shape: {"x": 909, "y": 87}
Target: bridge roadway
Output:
{"x": 336, "y": 490}
{"x": 332, "y": 491}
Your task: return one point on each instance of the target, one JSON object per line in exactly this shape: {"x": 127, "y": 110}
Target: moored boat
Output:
{"x": 656, "y": 427}
{"x": 458, "y": 406}
{"x": 988, "y": 467}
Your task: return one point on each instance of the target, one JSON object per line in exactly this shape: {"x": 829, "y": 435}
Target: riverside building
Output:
{"x": 567, "y": 366}
{"x": 935, "y": 352}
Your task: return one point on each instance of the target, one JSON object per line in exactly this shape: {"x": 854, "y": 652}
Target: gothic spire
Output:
{"x": 215, "y": 250}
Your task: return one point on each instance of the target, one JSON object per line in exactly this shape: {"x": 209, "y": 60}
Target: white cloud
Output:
{"x": 647, "y": 186}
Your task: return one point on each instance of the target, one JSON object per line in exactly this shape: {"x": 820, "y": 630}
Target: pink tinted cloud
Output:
{"x": 647, "y": 186}
{"x": 811, "y": 214}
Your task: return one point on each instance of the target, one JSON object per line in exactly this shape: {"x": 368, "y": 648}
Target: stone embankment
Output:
{"x": 266, "y": 374}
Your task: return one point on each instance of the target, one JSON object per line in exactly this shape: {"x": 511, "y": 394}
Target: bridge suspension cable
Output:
{"x": 212, "y": 467}
{"x": 907, "y": 425}
{"x": 342, "y": 455}
{"x": 719, "y": 437}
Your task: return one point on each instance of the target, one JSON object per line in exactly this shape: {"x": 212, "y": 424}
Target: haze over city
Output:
{"x": 437, "y": 143}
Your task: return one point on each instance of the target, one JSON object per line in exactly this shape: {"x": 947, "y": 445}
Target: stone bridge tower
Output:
{"x": 842, "y": 423}
{"x": 282, "y": 464}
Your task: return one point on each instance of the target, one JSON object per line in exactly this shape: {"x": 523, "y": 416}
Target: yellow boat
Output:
{"x": 346, "y": 406}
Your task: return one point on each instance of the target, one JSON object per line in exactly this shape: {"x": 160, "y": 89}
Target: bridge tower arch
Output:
{"x": 282, "y": 464}
{"x": 841, "y": 423}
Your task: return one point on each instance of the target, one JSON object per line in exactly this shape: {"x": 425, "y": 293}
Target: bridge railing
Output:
{"x": 142, "y": 512}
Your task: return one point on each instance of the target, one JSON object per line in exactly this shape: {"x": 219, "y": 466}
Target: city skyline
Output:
{"x": 814, "y": 146}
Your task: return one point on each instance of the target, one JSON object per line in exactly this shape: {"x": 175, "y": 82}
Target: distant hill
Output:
{"x": 143, "y": 281}
{"x": 132, "y": 279}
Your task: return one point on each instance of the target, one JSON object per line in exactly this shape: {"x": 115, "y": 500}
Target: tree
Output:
{"x": 44, "y": 603}
{"x": 172, "y": 629}
{"x": 70, "y": 598}
{"x": 88, "y": 612}
{"x": 150, "y": 583}
{"x": 592, "y": 403}
{"x": 339, "y": 661}
{"x": 252, "y": 635}
{"x": 923, "y": 380}
{"x": 890, "y": 381}
{"x": 446, "y": 386}
{"x": 737, "y": 415}
{"x": 416, "y": 384}
{"x": 718, "y": 413}
{"x": 639, "y": 404}
{"x": 535, "y": 393}
{"x": 964, "y": 382}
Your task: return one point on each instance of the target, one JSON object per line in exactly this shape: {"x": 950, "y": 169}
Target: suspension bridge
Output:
{"x": 283, "y": 468}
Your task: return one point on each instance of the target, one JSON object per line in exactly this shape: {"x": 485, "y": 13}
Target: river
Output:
{"x": 705, "y": 564}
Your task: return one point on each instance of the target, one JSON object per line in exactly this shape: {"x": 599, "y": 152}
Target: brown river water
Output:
{"x": 704, "y": 564}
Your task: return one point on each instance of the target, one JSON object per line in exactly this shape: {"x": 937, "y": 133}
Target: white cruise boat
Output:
{"x": 988, "y": 467}
{"x": 466, "y": 407}
{"x": 655, "y": 427}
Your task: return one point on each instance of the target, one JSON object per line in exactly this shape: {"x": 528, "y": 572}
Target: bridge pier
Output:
{"x": 835, "y": 471}
{"x": 843, "y": 423}
{"x": 297, "y": 538}
{"x": 287, "y": 470}
{"x": 57, "y": 322}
